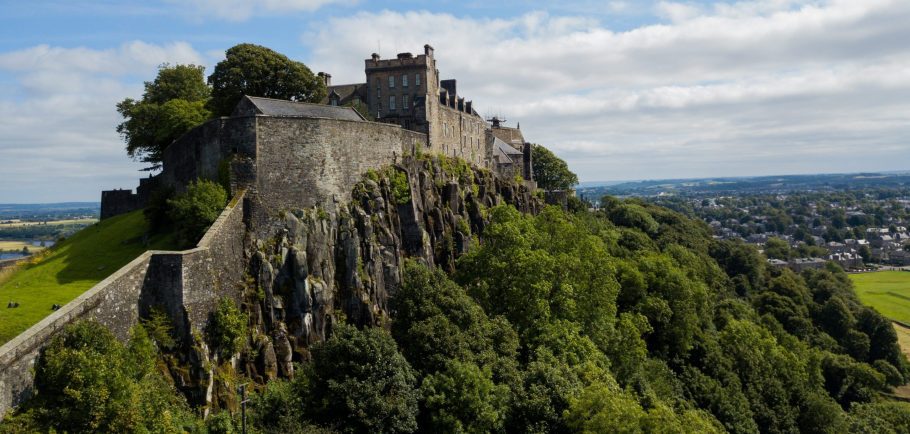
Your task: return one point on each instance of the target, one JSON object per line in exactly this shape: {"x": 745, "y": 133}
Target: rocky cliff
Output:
{"x": 319, "y": 268}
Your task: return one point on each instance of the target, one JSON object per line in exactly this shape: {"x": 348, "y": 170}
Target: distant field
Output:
{"x": 886, "y": 291}
{"x": 18, "y": 245}
{"x": 70, "y": 268}
{"x": 49, "y": 223}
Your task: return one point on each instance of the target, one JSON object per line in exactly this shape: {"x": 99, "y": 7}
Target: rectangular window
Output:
{"x": 404, "y": 80}
{"x": 392, "y": 102}
{"x": 417, "y": 80}
{"x": 391, "y": 82}
{"x": 404, "y": 101}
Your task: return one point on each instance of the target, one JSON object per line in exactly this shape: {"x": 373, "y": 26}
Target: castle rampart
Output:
{"x": 186, "y": 285}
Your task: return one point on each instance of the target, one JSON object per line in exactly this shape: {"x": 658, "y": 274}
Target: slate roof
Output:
{"x": 345, "y": 91}
{"x": 503, "y": 152}
{"x": 278, "y": 107}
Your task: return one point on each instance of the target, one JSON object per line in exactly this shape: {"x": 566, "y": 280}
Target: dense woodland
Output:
{"x": 627, "y": 319}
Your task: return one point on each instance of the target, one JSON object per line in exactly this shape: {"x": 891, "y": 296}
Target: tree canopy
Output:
{"x": 172, "y": 104}
{"x": 550, "y": 171}
{"x": 255, "y": 70}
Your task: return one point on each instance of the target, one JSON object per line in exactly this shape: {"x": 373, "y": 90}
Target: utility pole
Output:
{"x": 242, "y": 390}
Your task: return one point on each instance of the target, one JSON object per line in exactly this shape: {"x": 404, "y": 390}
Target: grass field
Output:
{"x": 8, "y": 246}
{"x": 49, "y": 223}
{"x": 887, "y": 291}
{"x": 70, "y": 268}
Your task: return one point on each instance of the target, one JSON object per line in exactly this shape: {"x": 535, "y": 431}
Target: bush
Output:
{"x": 194, "y": 210}
{"x": 227, "y": 327}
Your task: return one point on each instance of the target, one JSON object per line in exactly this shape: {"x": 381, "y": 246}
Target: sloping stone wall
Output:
{"x": 186, "y": 285}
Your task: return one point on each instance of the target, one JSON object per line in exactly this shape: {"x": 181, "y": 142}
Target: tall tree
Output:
{"x": 254, "y": 70}
{"x": 550, "y": 171}
{"x": 172, "y": 104}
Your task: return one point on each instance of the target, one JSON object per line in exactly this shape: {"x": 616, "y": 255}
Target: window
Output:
{"x": 392, "y": 102}
{"x": 404, "y": 80}
{"x": 391, "y": 82}
{"x": 404, "y": 101}
{"x": 417, "y": 80}
{"x": 334, "y": 101}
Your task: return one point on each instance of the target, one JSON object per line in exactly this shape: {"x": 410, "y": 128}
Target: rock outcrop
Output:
{"x": 319, "y": 268}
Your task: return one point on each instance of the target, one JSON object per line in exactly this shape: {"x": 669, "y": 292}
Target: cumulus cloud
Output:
{"x": 752, "y": 87}
{"x": 57, "y": 138}
{"x": 241, "y": 10}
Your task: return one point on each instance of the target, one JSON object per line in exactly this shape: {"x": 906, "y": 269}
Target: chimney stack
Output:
{"x": 326, "y": 78}
{"x": 428, "y": 50}
{"x": 375, "y": 57}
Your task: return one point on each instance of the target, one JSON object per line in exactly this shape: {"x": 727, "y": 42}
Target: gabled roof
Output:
{"x": 346, "y": 90}
{"x": 250, "y": 105}
{"x": 503, "y": 152}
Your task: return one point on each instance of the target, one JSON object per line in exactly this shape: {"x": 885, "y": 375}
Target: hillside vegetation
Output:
{"x": 70, "y": 268}
{"x": 630, "y": 319}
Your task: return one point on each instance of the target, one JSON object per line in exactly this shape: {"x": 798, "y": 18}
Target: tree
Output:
{"x": 194, "y": 210}
{"x": 359, "y": 382}
{"x": 87, "y": 381}
{"x": 172, "y": 104}
{"x": 550, "y": 171}
{"x": 777, "y": 248}
{"x": 254, "y": 70}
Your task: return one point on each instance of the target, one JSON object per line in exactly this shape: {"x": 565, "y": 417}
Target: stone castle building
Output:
{"x": 292, "y": 169}
{"x": 415, "y": 112}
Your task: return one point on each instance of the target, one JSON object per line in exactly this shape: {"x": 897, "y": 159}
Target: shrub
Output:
{"x": 194, "y": 210}
{"x": 227, "y": 327}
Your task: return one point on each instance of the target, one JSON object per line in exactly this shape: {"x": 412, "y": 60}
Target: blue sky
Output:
{"x": 620, "y": 89}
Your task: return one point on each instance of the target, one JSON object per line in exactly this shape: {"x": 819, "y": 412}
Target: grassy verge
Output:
{"x": 887, "y": 291}
{"x": 61, "y": 273}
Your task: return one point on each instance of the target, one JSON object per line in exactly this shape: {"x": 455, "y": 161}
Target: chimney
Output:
{"x": 326, "y": 78}
{"x": 405, "y": 56}
{"x": 428, "y": 50}
{"x": 375, "y": 57}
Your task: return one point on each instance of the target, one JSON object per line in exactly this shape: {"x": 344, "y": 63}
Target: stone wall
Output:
{"x": 201, "y": 152}
{"x": 186, "y": 285}
{"x": 113, "y": 302}
{"x": 306, "y": 162}
{"x": 116, "y": 202}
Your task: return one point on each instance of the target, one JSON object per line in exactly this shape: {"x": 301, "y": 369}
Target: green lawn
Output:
{"x": 70, "y": 268}
{"x": 886, "y": 291}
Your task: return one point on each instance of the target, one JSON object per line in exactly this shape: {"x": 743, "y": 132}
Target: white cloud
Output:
{"x": 732, "y": 88}
{"x": 241, "y": 10}
{"x": 57, "y": 138}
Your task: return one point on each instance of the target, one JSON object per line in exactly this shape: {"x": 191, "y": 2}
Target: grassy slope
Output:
{"x": 70, "y": 268}
{"x": 886, "y": 291}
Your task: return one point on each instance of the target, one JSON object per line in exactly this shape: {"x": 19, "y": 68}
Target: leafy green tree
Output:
{"x": 87, "y": 381}
{"x": 172, "y": 104}
{"x": 777, "y": 248}
{"x": 358, "y": 382}
{"x": 194, "y": 210}
{"x": 255, "y": 70}
{"x": 463, "y": 398}
{"x": 550, "y": 171}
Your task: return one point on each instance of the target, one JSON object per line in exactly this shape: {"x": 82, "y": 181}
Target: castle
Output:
{"x": 415, "y": 112}
{"x": 294, "y": 229}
